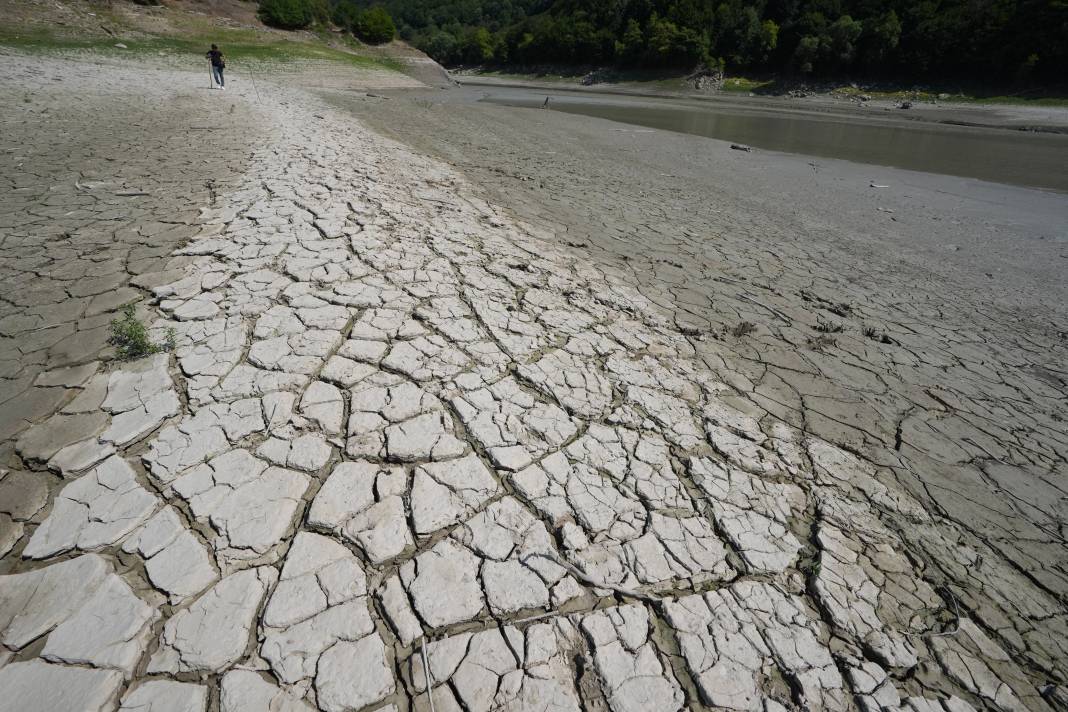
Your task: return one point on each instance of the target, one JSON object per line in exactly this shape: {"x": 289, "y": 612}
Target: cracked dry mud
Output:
{"x": 411, "y": 453}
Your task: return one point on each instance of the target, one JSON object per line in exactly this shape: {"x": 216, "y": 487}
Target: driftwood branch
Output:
{"x": 582, "y": 576}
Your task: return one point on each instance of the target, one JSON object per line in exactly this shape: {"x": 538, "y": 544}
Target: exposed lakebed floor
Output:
{"x": 410, "y": 438}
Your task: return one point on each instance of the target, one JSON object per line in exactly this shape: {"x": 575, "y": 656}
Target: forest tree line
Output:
{"x": 373, "y": 24}
{"x": 994, "y": 40}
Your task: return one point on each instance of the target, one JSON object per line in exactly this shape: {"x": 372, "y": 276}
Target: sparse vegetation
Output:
{"x": 743, "y": 328}
{"x": 689, "y": 330}
{"x": 840, "y": 309}
{"x": 872, "y": 333}
{"x": 240, "y": 46}
{"x": 821, "y": 342}
{"x": 185, "y": 36}
{"x": 131, "y": 339}
{"x": 810, "y": 566}
{"x": 746, "y": 85}
{"x": 827, "y": 327}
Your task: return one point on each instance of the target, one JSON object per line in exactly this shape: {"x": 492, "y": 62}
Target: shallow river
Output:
{"x": 1000, "y": 155}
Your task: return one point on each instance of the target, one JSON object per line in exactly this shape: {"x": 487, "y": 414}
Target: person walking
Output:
{"x": 218, "y": 64}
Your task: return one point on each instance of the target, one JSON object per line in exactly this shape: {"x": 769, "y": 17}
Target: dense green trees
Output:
{"x": 904, "y": 39}
{"x": 987, "y": 39}
{"x": 286, "y": 14}
{"x": 373, "y": 25}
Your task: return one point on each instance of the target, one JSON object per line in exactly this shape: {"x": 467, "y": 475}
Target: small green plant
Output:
{"x": 131, "y": 340}
{"x": 170, "y": 342}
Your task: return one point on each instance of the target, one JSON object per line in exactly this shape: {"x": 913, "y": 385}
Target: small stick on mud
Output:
{"x": 776, "y": 312}
{"x": 539, "y": 617}
{"x": 130, "y": 193}
{"x": 944, "y": 634}
{"x": 574, "y": 571}
{"x": 252, "y": 76}
{"x": 426, "y": 672}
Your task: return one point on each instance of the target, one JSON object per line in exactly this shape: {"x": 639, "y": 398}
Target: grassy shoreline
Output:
{"x": 239, "y": 45}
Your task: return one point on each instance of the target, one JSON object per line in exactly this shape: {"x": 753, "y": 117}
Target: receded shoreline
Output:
{"x": 1018, "y": 116}
{"x": 543, "y": 162}
{"x": 577, "y": 415}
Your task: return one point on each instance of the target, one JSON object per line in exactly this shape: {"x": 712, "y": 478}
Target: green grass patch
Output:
{"x": 131, "y": 340}
{"x": 745, "y": 85}
{"x": 239, "y": 46}
{"x": 891, "y": 93}
{"x": 960, "y": 96}
{"x": 562, "y": 78}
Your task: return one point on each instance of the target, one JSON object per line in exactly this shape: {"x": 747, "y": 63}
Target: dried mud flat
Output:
{"x": 412, "y": 451}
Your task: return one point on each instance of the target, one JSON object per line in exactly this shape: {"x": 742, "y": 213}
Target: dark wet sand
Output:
{"x": 1021, "y": 116}
{"x": 1020, "y": 158}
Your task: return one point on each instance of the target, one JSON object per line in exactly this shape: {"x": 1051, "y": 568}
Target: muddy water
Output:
{"x": 998, "y": 155}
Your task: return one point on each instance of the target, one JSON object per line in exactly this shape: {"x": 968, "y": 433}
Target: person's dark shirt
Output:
{"x": 216, "y": 57}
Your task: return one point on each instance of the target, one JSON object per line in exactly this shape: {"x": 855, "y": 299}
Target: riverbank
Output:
{"x": 590, "y": 419}
{"x": 1049, "y": 117}
{"x": 997, "y": 244}
{"x": 860, "y": 313}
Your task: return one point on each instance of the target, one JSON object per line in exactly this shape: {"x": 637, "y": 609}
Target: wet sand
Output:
{"x": 1000, "y": 155}
{"x": 1022, "y": 116}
